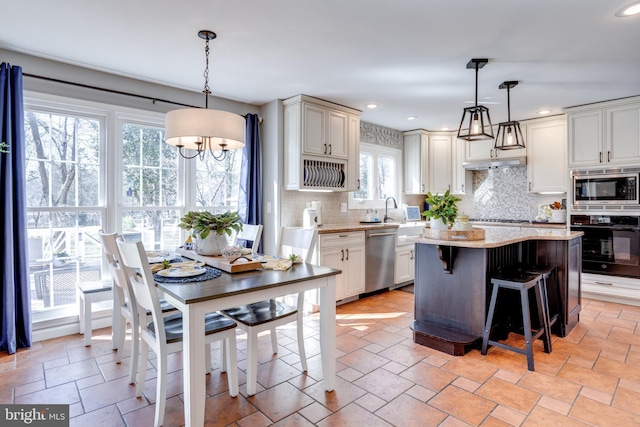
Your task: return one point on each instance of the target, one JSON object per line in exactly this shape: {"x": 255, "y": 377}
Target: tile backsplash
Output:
{"x": 497, "y": 193}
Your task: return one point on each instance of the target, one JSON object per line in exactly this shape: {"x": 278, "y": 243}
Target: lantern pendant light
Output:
{"x": 509, "y": 135}
{"x": 477, "y": 117}
{"x": 204, "y": 130}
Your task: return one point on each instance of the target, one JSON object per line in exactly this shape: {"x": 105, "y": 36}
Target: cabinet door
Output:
{"x": 416, "y": 162}
{"x": 459, "y": 175}
{"x": 585, "y": 138}
{"x": 338, "y": 131}
{"x": 314, "y": 130}
{"x": 547, "y": 156}
{"x": 353, "y": 271}
{"x": 439, "y": 163}
{"x": 479, "y": 150}
{"x": 333, "y": 258}
{"x": 353, "y": 162}
{"x": 404, "y": 265}
{"x": 623, "y": 135}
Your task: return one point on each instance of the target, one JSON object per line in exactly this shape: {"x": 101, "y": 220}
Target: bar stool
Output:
{"x": 547, "y": 272}
{"x": 89, "y": 293}
{"x": 522, "y": 282}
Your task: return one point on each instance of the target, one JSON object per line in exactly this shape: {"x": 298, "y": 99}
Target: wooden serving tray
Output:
{"x": 473, "y": 234}
{"x": 219, "y": 262}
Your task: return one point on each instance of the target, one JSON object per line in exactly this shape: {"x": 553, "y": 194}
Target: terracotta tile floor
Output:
{"x": 592, "y": 377}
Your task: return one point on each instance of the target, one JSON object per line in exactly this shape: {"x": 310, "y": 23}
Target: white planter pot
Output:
{"x": 212, "y": 245}
{"x": 558, "y": 215}
{"x": 437, "y": 224}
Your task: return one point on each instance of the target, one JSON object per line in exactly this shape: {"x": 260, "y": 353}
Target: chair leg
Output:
{"x": 229, "y": 347}
{"x": 274, "y": 340}
{"x": 120, "y": 331}
{"x": 88, "y": 331}
{"x": 144, "y": 360}
{"x": 207, "y": 358}
{"x": 223, "y": 355}
{"x": 161, "y": 385}
{"x": 116, "y": 321}
{"x": 135, "y": 352}
{"x": 301, "y": 351}
{"x": 526, "y": 322}
{"x": 543, "y": 313}
{"x": 81, "y": 314}
{"x": 487, "y": 327}
{"x": 252, "y": 362}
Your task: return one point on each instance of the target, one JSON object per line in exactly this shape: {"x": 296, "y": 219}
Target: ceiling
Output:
{"x": 408, "y": 56}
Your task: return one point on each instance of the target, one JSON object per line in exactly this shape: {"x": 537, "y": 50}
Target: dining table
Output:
{"x": 196, "y": 298}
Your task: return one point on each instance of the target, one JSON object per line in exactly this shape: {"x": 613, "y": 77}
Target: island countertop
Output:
{"x": 501, "y": 236}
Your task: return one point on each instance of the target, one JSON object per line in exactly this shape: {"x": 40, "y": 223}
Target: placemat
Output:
{"x": 211, "y": 273}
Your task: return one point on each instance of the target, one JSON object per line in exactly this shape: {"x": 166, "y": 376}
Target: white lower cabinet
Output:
{"x": 405, "y": 264}
{"x": 623, "y": 290}
{"x": 345, "y": 251}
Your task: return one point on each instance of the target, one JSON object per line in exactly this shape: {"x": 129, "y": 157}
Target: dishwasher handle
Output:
{"x": 380, "y": 234}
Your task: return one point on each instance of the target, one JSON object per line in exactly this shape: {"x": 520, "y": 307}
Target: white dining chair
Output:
{"x": 164, "y": 334}
{"x": 124, "y": 304}
{"x": 268, "y": 315}
{"x": 251, "y": 233}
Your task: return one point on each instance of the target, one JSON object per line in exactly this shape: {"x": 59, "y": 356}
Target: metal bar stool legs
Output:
{"x": 521, "y": 282}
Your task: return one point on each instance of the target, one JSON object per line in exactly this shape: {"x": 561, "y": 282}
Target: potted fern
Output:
{"x": 211, "y": 230}
{"x": 442, "y": 210}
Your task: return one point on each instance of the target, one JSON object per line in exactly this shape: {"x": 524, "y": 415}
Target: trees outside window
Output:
{"x": 380, "y": 171}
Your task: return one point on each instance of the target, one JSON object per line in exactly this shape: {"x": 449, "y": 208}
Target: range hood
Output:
{"x": 495, "y": 163}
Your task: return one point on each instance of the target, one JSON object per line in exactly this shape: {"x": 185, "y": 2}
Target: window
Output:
{"x": 65, "y": 209}
{"x": 218, "y": 182}
{"x": 149, "y": 192}
{"x": 379, "y": 177}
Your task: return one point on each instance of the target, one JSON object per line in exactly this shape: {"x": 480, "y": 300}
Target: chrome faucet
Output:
{"x": 386, "y": 203}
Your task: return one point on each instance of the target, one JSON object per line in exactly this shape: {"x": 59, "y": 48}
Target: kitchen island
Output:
{"x": 453, "y": 282}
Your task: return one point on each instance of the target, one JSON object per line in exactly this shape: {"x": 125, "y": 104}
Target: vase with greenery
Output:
{"x": 442, "y": 209}
{"x": 211, "y": 230}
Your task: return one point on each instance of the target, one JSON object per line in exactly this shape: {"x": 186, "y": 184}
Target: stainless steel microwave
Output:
{"x": 592, "y": 188}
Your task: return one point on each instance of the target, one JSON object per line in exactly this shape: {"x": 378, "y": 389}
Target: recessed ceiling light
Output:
{"x": 544, "y": 112}
{"x": 444, "y": 128}
{"x": 372, "y": 106}
{"x": 629, "y": 10}
{"x": 411, "y": 118}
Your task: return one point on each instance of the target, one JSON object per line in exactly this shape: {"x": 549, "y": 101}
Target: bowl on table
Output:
{"x": 230, "y": 253}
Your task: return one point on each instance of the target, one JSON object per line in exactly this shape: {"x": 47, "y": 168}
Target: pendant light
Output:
{"x": 201, "y": 129}
{"x": 509, "y": 135}
{"x": 479, "y": 123}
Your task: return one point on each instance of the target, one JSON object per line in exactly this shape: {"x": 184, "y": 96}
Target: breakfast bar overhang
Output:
{"x": 453, "y": 282}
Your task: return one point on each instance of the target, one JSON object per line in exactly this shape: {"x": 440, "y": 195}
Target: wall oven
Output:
{"x": 606, "y": 188}
{"x": 610, "y": 244}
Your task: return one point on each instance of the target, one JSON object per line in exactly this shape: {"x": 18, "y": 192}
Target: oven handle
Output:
{"x": 604, "y": 227}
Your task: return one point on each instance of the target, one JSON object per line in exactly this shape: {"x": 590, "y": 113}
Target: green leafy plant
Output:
{"x": 442, "y": 207}
{"x": 204, "y": 222}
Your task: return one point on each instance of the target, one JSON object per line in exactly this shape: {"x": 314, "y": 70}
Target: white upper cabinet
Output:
{"x": 416, "y": 161}
{"x": 483, "y": 150}
{"x": 322, "y": 145}
{"x": 604, "y": 134}
{"x": 546, "y": 143}
{"x": 439, "y": 163}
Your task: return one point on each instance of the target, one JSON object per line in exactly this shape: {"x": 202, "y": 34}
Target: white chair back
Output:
{"x": 297, "y": 240}
{"x": 138, "y": 271}
{"x": 111, "y": 252}
{"x": 252, "y": 233}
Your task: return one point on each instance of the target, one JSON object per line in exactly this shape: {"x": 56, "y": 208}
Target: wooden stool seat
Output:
{"x": 521, "y": 281}
{"x": 89, "y": 293}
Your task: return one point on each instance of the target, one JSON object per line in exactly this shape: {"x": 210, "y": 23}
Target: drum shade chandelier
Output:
{"x": 509, "y": 135}
{"x": 479, "y": 123}
{"x": 205, "y": 130}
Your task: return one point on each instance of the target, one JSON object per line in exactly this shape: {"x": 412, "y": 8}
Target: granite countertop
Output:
{"x": 527, "y": 224}
{"x": 502, "y": 236}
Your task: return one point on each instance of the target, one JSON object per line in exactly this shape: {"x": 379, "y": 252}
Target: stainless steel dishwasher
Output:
{"x": 380, "y": 254}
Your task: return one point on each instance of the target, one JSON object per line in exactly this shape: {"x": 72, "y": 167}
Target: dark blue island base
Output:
{"x": 452, "y": 294}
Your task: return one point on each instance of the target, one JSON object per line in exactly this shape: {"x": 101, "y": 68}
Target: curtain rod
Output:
{"x": 118, "y": 92}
